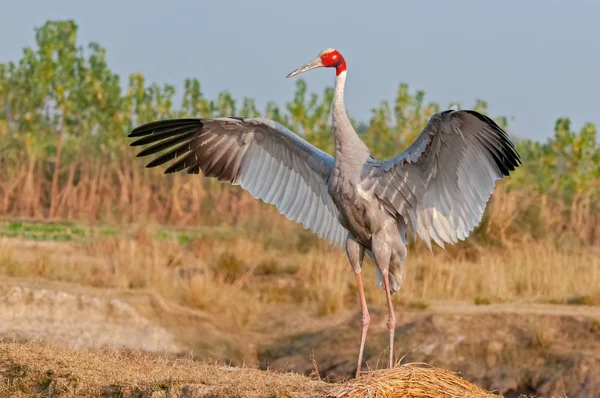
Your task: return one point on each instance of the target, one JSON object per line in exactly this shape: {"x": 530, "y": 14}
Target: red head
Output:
{"x": 328, "y": 58}
{"x": 333, "y": 59}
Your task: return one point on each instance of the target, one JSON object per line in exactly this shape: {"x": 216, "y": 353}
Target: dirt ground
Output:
{"x": 512, "y": 349}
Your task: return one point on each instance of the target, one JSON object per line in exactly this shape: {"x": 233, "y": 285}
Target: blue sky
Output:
{"x": 536, "y": 60}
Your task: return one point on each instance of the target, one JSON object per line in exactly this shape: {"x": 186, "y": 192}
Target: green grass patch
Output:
{"x": 482, "y": 301}
{"x": 419, "y": 304}
{"x": 38, "y": 231}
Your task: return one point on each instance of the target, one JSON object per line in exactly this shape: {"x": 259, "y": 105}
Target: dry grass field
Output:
{"x": 520, "y": 318}
{"x": 221, "y": 271}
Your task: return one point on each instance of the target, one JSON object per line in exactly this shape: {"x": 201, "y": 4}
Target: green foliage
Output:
{"x": 581, "y": 300}
{"x": 482, "y": 301}
{"x": 569, "y": 163}
{"x": 44, "y": 231}
{"x": 419, "y": 304}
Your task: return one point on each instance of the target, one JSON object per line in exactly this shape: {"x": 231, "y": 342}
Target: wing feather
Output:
{"x": 263, "y": 157}
{"x": 441, "y": 184}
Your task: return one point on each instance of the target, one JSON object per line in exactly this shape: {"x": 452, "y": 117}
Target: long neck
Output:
{"x": 349, "y": 147}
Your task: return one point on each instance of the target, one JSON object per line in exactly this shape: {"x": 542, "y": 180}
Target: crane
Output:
{"x": 436, "y": 189}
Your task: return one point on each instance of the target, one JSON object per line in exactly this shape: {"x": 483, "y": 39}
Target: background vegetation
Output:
{"x": 64, "y": 156}
{"x": 64, "y": 119}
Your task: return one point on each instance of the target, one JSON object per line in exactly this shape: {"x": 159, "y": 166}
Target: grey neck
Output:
{"x": 349, "y": 148}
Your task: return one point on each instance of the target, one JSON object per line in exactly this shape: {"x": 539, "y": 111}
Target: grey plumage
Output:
{"x": 263, "y": 157}
{"x": 437, "y": 189}
{"x": 440, "y": 185}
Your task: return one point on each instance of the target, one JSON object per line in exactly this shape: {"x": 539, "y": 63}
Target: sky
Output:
{"x": 534, "y": 60}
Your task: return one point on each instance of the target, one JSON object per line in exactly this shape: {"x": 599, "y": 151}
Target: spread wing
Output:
{"x": 263, "y": 157}
{"x": 441, "y": 184}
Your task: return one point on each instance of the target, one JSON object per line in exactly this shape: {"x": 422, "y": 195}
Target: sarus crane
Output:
{"x": 436, "y": 189}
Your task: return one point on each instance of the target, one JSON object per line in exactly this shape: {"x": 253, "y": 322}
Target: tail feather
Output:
{"x": 379, "y": 278}
{"x": 395, "y": 279}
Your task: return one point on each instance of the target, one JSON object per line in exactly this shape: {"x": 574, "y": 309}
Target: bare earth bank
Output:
{"x": 548, "y": 350}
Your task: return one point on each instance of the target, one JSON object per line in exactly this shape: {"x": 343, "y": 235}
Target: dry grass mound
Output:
{"x": 411, "y": 381}
{"x": 35, "y": 369}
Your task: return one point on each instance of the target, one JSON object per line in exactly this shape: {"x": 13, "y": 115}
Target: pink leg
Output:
{"x": 364, "y": 321}
{"x": 391, "y": 323}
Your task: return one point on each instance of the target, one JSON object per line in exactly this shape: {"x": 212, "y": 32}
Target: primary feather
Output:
{"x": 440, "y": 185}
{"x": 263, "y": 157}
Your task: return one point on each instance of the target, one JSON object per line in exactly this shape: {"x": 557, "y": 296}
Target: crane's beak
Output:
{"x": 315, "y": 63}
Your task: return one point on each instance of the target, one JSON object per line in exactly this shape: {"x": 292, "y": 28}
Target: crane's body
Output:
{"x": 361, "y": 213}
{"x": 437, "y": 188}
{"x": 351, "y": 160}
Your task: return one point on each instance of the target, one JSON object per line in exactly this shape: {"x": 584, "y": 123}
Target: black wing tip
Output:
{"x": 510, "y": 157}
{"x": 136, "y": 143}
{"x": 164, "y": 134}
{"x": 194, "y": 169}
{"x": 139, "y": 131}
{"x": 152, "y": 164}
{"x": 507, "y": 161}
{"x": 145, "y": 152}
{"x": 160, "y": 125}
